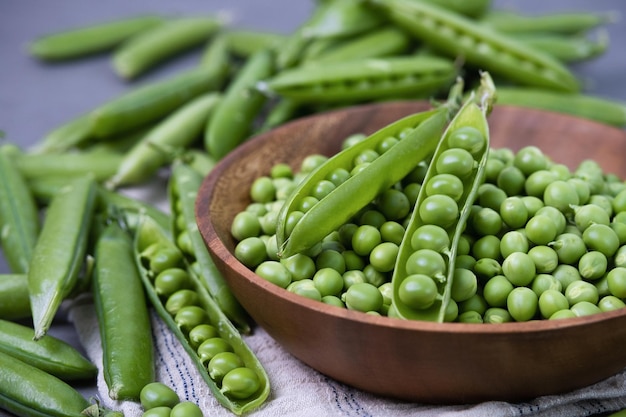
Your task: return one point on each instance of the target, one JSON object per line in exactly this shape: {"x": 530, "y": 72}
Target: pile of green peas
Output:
{"x": 173, "y": 284}
{"x": 543, "y": 241}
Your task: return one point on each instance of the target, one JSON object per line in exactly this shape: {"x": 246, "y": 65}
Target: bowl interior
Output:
{"x": 420, "y": 361}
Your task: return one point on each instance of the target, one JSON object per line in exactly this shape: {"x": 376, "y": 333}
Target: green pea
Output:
{"x": 511, "y": 180}
{"x": 427, "y": 262}
{"x": 464, "y": 285}
{"x": 602, "y": 238}
{"x": 589, "y": 214}
{"x": 616, "y": 280}
{"x": 363, "y": 297}
{"x": 393, "y": 204}
{"x": 157, "y": 394}
{"x": 519, "y": 268}
{"x": 513, "y": 241}
{"x": 579, "y": 291}
{"x": 305, "y": 288}
{"x": 245, "y": 224}
{"x": 487, "y": 247}
{"x": 372, "y": 218}
{"x": 189, "y": 317}
{"x": 530, "y": 159}
{"x": 430, "y": 236}
{"x": 486, "y": 268}
{"x": 551, "y": 301}
{"x": 522, "y": 303}
{"x": 338, "y": 176}
{"x": 181, "y": 298}
{"x": 492, "y": 169}
{"x": 513, "y": 212}
{"x": 561, "y": 195}
{"x": 418, "y": 291}
{"x": 544, "y": 282}
{"x": 240, "y": 383}
{"x": 470, "y": 317}
{"x": 440, "y": 210}
{"x": 251, "y": 251}
{"x": 446, "y": 184}
{"x": 475, "y": 303}
{"x": 274, "y": 272}
{"x": 566, "y": 274}
{"x": 545, "y": 258}
{"x": 582, "y": 188}
{"x": 200, "y": 333}
{"x": 585, "y": 308}
{"x": 392, "y": 231}
{"x": 263, "y": 190}
{"x": 352, "y": 260}
{"x": 364, "y": 239}
{"x": 222, "y": 363}
{"x": 330, "y": 258}
{"x": 300, "y": 266}
{"x": 563, "y": 314}
{"x": 486, "y": 221}
{"x": 496, "y": 290}
{"x": 610, "y": 303}
{"x": 212, "y": 346}
{"x": 328, "y": 281}
{"x": 171, "y": 280}
{"x": 540, "y": 230}
{"x": 569, "y": 248}
{"x": 533, "y": 204}
{"x": 333, "y": 301}
{"x": 592, "y": 265}
{"x": 489, "y": 195}
{"x": 495, "y": 315}
{"x": 455, "y": 161}
{"x": 468, "y": 138}
{"x": 537, "y": 182}
{"x": 353, "y": 277}
{"x": 165, "y": 258}
{"x": 186, "y": 409}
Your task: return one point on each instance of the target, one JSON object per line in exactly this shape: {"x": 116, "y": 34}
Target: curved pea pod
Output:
{"x": 60, "y": 251}
{"x": 151, "y": 102}
{"x": 182, "y": 192}
{"x": 244, "y": 43}
{"x": 479, "y": 45}
{"x": 596, "y": 108}
{"x": 14, "y": 301}
{"x": 19, "y": 216}
{"x": 150, "y": 236}
{"x": 567, "y": 48}
{"x": 123, "y": 318}
{"x": 232, "y": 121}
{"x": 82, "y": 41}
{"x": 565, "y": 23}
{"x": 423, "y": 276}
{"x": 420, "y": 132}
{"x": 363, "y": 79}
{"x": 386, "y": 41}
{"x": 175, "y": 133}
{"x": 28, "y": 391}
{"x": 49, "y": 354}
{"x": 142, "y": 52}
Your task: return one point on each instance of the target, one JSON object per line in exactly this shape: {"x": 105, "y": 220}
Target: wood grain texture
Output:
{"x": 410, "y": 360}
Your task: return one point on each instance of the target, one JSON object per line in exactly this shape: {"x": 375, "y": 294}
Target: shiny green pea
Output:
{"x": 210, "y": 347}
{"x": 338, "y": 176}
{"x": 585, "y": 308}
{"x": 305, "y": 288}
{"x": 470, "y": 317}
{"x": 331, "y": 258}
{"x": 545, "y": 258}
{"x": 446, "y": 184}
{"x": 589, "y": 214}
{"x": 592, "y": 265}
{"x": 467, "y": 138}
{"x": 561, "y": 195}
{"x": 440, "y": 210}
{"x": 464, "y": 285}
{"x": 180, "y": 299}
{"x": 511, "y": 180}
{"x": 610, "y": 303}
{"x": 533, "y": 204}
{"x": 198, "y": 334}
{"x": 602, "y": 238}
{"x": 429, "y": 236}
{"x": 328, "y": 281}
{"x": 495, "y": 315}
{"x": 455, "y": 161}
{"x": 544, "y": 282}
{"x": 392, "y": 231}
{"x": 530, "y": 159}
{"x": 393, "y": 204}
{"x": 222, "y": 363}
{"x": 383, "y": 256}
{"x": 353, "y": 277}
{"x": 157, "y": 394}
{"x": 186, "y": 409}
{"x": 485, "y": 268}
{"x": 522, "y": 303}
{"x": 563, "y": 314}
{"x": 418, "y": 291}
{"x": 274, "y": 272}
{"x": 551, "y": 301}
{"x": 486, "y": 221}
{"x": 541, "y": 230}
{"x": 487, "y": 247}
{"x": 263, "y": 190}
{"x": 189, "y": 317}
{"x": 513, "y": 241}
{"x": 569, "y": 248}
{"x": 300, "y": 266}
{"x": 251, "y": 251}
{"x": 537, "y": 182}
{"x": 475, "y": 303}
{"x": 240, "y": 383}
{"x": 363, "y": 297}
{"x": 489, "y": 195}
{"x": 427, "y": 262}
{"x": 165, "y": 258}
{"x": 579, "y": 291}
{"x": 171, "y": 280}
{"x": 519, "y": 268}
{"x": 333, "y": 301}
{"x": 616, "y": 280}
{"x": 372, "y": 218}
{"x": 513, "y": 212}
{"x": 365, "y": 238}
{"x": 496, "y": 290}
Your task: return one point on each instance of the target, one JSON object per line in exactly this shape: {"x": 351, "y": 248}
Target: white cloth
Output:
{"x": 299, "y": 391}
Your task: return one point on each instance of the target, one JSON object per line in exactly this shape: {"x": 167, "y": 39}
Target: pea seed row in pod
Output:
{"x": 238, "y": 381}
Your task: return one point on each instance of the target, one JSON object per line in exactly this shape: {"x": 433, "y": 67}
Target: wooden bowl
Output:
{"x": 410, "y": 360}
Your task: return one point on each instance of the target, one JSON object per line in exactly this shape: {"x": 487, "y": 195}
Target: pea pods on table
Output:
{"x": 478, "y": 45}
{"x": 424, "y": 275}
{"x": 19, "y": 216}
{"x": 122, "y": 313}
{"x": 165, "y": 273}
{"x": 59, "y": 253}
{"x": 81, "y": 41}
{"x": 363, "y": 79}
{"x": 49, "y": 353}
{"x": 419, "y": 133}
{"x": 183, "y": 189}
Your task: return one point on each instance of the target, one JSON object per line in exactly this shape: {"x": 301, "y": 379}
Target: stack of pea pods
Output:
{"x": 69, "y": 230}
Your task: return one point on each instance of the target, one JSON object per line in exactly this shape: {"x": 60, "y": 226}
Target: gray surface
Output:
{"x": 36, "y": 97}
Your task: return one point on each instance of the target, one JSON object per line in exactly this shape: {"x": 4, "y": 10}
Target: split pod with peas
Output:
{"x": 426, "y": 283}
{"x": 227, "y": 365}
{"x": 340, "y": 189}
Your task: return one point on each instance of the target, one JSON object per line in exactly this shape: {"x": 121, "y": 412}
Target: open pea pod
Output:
{"x": 156, "y": 255}
{"x": 425, "y": 271}
{"x": 299, "y": 230}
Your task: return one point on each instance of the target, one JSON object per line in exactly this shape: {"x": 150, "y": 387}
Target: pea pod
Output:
{"x": 49, "y": 354}
{"x": 420, "y": 132}
{"x": 142, "y": 52}
{"x": 363, "y": 79}
{"x": 122, "y": 313}
{"x": 28, "y": 391}
{"x": 19, "y": 217}
{"x": 150, "y": 240}
{"x": 14, "y": 301}
{"x": 231, "y": 123}
{"x": 176, "y": 132}
{"x": 182, "y": 192}
{"x": 567, "y": 48}
{"x": 474, "y": 9}
{"x": 245, "y": 43}
{"x": 92, "y": 39}
{"x": 423, "y": 275}
{"x": 60, "y": 250}
{"x": 567, "y": 23}
{"x": 478, "y": 45}
{"x": 151, "y": 102}
{"x": 582, "y": 105}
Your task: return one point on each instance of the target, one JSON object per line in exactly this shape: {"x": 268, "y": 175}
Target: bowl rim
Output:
{"x": 218, "y": 248}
